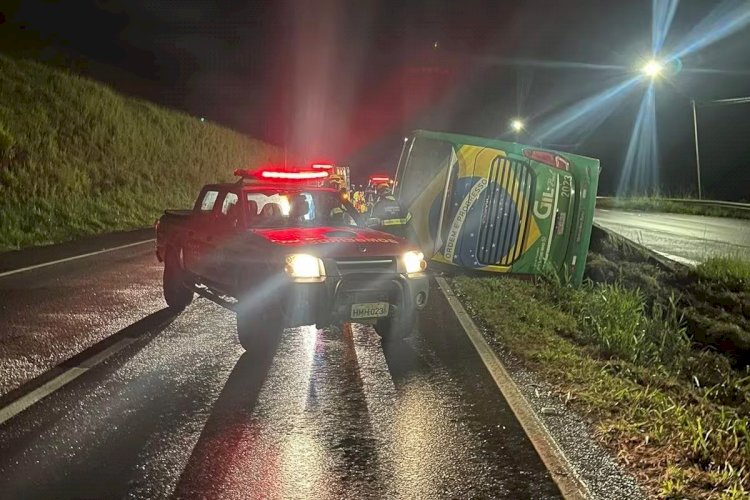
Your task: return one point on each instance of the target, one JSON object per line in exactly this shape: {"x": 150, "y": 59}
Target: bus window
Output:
{"x": 427, "y": 160}
{"x": 422, "y": 190}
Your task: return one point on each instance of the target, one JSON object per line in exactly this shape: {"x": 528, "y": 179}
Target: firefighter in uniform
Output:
{"x": 358, "y": 200}
{"x": 392, "y": 216}
{"x": 339, "y": 213}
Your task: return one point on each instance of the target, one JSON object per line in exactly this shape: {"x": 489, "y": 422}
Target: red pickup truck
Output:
{"x": 283, "y": 251}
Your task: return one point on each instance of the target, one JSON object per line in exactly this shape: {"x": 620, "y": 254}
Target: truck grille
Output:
{"x": 352, "y": 266}
{"x": 500, "y": 227}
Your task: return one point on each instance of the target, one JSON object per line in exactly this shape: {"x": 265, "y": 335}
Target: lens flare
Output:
{"x": 726, "y": 19}
{"x": 577, "y": 121}
{"x": 652, "y": 68}
{"x": 640, "y": 174}
{"x": 663, "y": 12}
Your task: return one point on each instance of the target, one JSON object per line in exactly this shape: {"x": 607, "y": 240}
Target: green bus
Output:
{"x": 489, "y": 205}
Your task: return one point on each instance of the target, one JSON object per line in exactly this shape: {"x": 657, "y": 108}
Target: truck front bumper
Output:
{"x": 331, "y": 300}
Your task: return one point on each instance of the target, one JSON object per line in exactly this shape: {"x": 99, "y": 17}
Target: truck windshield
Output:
{"x": 278, "y": 208}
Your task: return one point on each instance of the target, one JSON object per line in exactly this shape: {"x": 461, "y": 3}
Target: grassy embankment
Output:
{"x": 658, "y": 361}
{"x": 76, "y": 158}
{"x": 662, "y": 204}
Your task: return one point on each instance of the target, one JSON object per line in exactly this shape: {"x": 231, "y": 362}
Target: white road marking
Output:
{"x": 562, "y": 472}
{"x": 75, "y": 257}
{"x": 41, "y": 392}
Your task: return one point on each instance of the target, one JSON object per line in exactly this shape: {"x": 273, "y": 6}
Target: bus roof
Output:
{"x": 483, "y": 141}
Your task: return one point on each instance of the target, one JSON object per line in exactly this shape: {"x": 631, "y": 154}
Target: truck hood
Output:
{"x": 337, "y": 241}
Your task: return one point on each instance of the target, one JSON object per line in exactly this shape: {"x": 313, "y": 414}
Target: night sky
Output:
{"x": 345, "y": 80}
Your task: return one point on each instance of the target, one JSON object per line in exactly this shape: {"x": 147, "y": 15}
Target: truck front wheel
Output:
{"x": 396, "y": 327}
{"x": 258, "y": 329}
{"x": 176, "y": 292}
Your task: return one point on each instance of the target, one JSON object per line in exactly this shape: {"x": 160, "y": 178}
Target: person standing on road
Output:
{"x": 392, "y": 217}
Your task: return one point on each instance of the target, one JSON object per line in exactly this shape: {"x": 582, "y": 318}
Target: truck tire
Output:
{"x": 396, "y": 327}
{"x": 176, "y": 292}
{"x": 258, "y": 329}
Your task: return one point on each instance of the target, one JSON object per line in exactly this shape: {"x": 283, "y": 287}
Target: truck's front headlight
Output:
{"x": 414, "y": 262}
{"x": 302, "y": 265}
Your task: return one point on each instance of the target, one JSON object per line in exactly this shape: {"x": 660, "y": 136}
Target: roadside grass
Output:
{"x": 731, "y": 272}
{"x": 76, "y": 158}
{"x": 676, "y": 415}
{"x": 658, "y": 203}
{"x": 712, "y": 298}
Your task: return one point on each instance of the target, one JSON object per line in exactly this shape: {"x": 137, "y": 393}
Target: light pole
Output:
{"x": 717, "y": 102}
{"x": 653, "y": 69}
{"x": 697, "y": 152}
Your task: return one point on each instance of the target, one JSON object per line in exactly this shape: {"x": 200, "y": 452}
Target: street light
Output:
{"x": 517, "y": 125}
{"x": 652, "y": 68}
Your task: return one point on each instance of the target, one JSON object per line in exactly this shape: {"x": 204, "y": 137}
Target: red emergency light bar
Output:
{"x": 377, "y": 178}
{"x": 322, "y": 166}
{"x": 551, "y": 159}
{"x": 295, "y": 176}
{"x": 282, "y": 175}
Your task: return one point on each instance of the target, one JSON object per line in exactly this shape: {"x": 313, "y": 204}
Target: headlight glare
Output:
{"x": 414, "y": 262}
{"x": 301, "y": 265}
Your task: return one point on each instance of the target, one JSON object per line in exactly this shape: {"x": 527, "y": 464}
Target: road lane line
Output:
{"x": 570, "y": 484}
{"x": 75, "y": 257}
{"x": 41, "y": 392}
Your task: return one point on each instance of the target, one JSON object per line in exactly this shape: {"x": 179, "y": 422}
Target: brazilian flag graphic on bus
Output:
{"x": 489, "y": 205}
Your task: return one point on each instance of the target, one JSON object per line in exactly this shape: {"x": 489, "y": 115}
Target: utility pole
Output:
{"x": 697, "y": 152}
{"x": 719, "y": 102}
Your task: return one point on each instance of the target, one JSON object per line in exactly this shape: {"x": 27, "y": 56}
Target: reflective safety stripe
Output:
{"x": 397, "y": 222}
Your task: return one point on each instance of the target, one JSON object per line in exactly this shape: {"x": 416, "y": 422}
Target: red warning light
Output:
{"x": 378, "y": 178}
{"x": 294, "y": 176}
{"x": 272, "y": 174}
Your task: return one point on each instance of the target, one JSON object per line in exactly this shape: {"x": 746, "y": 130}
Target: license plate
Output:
{"x": 370, "y": 310}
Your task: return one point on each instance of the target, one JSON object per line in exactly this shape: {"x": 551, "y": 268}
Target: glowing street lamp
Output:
{"x": 652, "y": 68}
{"x": 517, "y": 125}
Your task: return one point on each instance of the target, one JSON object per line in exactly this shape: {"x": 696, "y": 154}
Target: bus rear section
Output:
{"x": 487, "y": 205}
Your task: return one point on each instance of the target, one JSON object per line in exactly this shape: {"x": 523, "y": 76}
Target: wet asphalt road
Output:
{"x": 48, "y": 315}
{"x": 689, "y": 239}
{"x": 184, "y": 412}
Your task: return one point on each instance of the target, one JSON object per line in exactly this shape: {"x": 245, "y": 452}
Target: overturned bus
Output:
{"x": 489, "y": 205}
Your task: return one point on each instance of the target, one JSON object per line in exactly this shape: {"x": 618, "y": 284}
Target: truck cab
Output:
{"x": 282, "y": 251}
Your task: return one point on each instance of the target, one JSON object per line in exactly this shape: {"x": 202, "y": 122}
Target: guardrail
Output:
{"x": 741, "y": 207}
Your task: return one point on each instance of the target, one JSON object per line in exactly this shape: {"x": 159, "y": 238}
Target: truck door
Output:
{"x": 226, "y": 243}
{"x": 195, "y": 240}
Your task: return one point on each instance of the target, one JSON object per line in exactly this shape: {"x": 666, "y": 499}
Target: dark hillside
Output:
{"x": 77, "y": 158}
